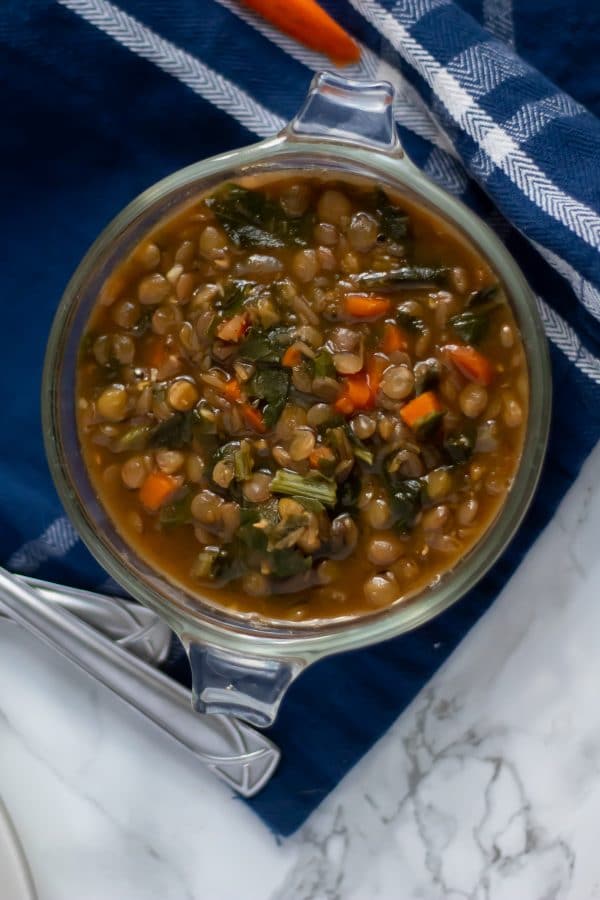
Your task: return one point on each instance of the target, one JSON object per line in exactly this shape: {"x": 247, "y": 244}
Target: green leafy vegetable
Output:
{"x": 393, "y": 222}
{"x": 175, "y": 432}
{"x": 265, "y": 346}
{"x": 323, "y": 365}
{"x": 243, "y": 462}
{"x": 470, "y": 326}
{"x": 210, "y": 564}
{"x": 314, "y": 506}
{"x": 272, "y": 384}
{"x": 313, "y": 487}
{"x": 404, "y": 276}
{"x": 429, "y": 423}
{"x": 286, "y": 563}
{"x": 235, "y": 294}
{"x": 177, "y": 513}
{"x": 350, "y": 492}
{"x": 251, "y": 219}
{"x": 135, "y": 438}
{"x": 427, "y": 375}
{"x": 410, "y": 323}
{"x": 253, "y": 539}
{"x": 485, "y": 298}
{"x": 358, "y": 447}
{"x": 407, "y": 500}
{"x": 460, "y": 444}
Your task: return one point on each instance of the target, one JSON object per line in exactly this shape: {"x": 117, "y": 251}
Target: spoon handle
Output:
{"x": 242, "y": 757}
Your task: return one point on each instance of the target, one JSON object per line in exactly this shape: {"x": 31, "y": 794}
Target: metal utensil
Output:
{"x": 129, "y": 624}
{"x": 242, "y": 757}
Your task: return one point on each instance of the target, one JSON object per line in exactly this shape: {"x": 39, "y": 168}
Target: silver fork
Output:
{"x": 242, "y": 757}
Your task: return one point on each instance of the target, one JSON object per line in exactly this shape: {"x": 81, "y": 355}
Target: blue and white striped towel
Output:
{"x": 102, "y": 100}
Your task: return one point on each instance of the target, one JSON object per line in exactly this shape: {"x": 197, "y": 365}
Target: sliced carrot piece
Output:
{"x": 473, "y": 364}
{"x": 421, "y": 411}
{"x": 356, "y": 394}
{"x": 156, "y": 353}
{"x": 393, "y": 338}
{"x": 253, "y": 418}
{"x": 319, "y": 456}
{"x": 291, "y": 357}
{"x": 344, "y": 405}
{"x": 156, "y": 489}
{"x": 376, "y": 366}
{"x": 362, "y": 307}
{"x": 233, "y": 330}
{"x": 307, "y": 22}
{"x": 232, "y": 390}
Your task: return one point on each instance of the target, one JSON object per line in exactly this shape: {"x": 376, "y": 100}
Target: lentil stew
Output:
{"x": 302, "y": 398}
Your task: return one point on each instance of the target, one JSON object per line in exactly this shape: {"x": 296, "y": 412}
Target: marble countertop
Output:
{"x": 486, "y": 788}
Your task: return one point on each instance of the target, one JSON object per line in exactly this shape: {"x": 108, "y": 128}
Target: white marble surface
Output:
{"x": 487, "y": 788}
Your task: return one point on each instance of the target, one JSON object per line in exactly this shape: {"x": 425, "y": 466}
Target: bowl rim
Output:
{"x": 302, "y": 641}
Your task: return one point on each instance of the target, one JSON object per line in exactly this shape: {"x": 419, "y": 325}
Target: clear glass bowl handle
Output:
{"x": 360, "y": 113}
{"x": 248, "y": 687}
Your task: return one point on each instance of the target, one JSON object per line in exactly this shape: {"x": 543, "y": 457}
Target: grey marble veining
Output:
{"x": 486, "y": 788}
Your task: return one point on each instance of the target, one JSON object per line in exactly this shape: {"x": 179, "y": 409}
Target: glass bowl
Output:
{"x": 242, "y": 666}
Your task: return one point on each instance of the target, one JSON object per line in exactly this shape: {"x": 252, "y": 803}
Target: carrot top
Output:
{"x": 308, "y": 22}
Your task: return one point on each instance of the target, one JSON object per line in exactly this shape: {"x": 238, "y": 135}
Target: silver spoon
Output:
{"x": 242, "y": 757}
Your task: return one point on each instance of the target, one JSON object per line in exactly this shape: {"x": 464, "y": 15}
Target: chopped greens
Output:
{"x": 287, "y": 563}
{"x": 472, "y": 324}
{"x": 265, "y": 346}
{"x": 135, "y": 438}
{"x": 210, "y": 563}
{"x": 235, "y": 294}
{"x": 175, "y": 432}
{"x": 312, "y": 487}
{"x": 392, "y": 220}
{"x": 252, "y": 220}
{"x": 177, "y": 513}
{"x": 407, "y": 499}
{"x": 358, "y": 448}
{"x": 411, "y": 323}
{"x": 243, "y": 462}
{"x": 404, "y": 276}
{"x": 323, "y": 365}
{"x": 272, "y": 384}
{"x": 485, "y": 298}
{"x": 471, "y": 327}
{"x": 460, "y": 444}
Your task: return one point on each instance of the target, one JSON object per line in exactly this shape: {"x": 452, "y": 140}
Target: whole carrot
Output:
{"x": 307, "y": 22}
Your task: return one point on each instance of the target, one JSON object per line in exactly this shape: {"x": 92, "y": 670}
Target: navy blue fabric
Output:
{"x": 88, "y": 123}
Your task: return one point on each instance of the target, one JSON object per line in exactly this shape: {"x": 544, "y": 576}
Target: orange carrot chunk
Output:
{"x": 156, "y": 489}
{"x": 155, "y": 353}
{"x": 422, "y": 412}
{"x": 307, "y": 22}
{"x": 376, "y": 366}
{"x": 356, "y": 394}
{"x": 366, "y": 307}
{"x": 320, "y": 457}
{"x": 232, "y": 390}
{"x": 473, "y": 364}
{"x": 393, "y": 338}
{"x": 253, "y": 418}
{"x": 291, "y": 357}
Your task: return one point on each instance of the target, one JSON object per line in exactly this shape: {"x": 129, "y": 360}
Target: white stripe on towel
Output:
{"x": 203, "y": 80}
{"x": 503, "y": 150}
